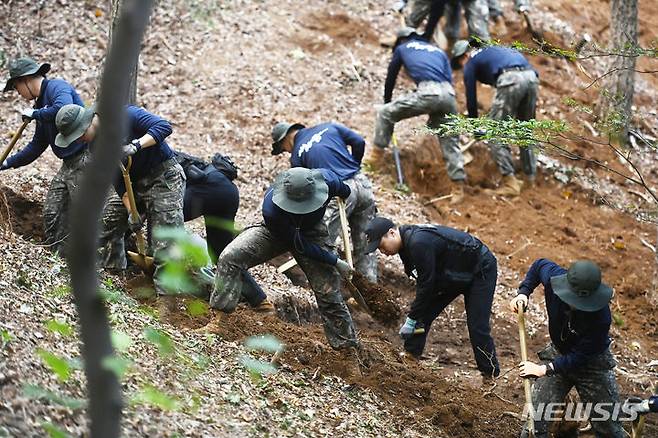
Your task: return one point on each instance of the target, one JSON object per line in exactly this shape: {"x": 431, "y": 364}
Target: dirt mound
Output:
{"x": 414, "y": 388}
{"x": 339, "y": 27}
{"x": 20, "y": 215}
{"x": 379, "y": 299}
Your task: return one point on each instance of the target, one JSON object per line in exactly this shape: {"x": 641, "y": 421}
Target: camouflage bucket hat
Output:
{"x": 72, "y": 121}
{"x": 300, "y": 190}
{"x": 279, "y": 132}
{"x": 22, "y": 67}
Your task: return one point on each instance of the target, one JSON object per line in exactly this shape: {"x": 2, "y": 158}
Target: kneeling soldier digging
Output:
{"x": 578, "y": 323}
{"x": 446, "y": 263}
{"x": 293, "y": 209}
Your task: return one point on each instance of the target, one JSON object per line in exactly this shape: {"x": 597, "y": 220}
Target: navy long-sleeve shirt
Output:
{"x": 577, "y": 335}
{"x": 54, "y": 94}
{"x": 422, "y": 60}
{"x": 485, "y": 65}
{"x": 141, "y": 122}
{"x": 291, "y": 228}
{"x": 325, "y": 146}
{"x": 434, "y": 262}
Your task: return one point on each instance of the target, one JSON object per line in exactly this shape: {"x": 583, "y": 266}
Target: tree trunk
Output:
{"x": 103, "y": 388}
{"x": 617, "y": 98}
{"x": 115, "y": 8}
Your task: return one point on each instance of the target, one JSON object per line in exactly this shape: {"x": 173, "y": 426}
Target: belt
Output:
{"x": 517, "y": 68}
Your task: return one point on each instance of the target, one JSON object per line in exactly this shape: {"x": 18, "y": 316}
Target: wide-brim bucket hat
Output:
{"x": 72, "y": 121}
{"x": 300, "y": 190}
{"x": 22, "y": 67}
{"x": 581, "y": 287}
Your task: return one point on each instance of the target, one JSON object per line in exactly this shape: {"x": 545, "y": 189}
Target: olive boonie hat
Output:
{"x": 300, "y": 190}
{"x": 581, "y": 287}
{"x": 22, "y": 67}
{"x": 459, "y": 48}
{"x": 279, "y": 132}
{"x": 72, "y": 121}
{"x": 375, "y": 230}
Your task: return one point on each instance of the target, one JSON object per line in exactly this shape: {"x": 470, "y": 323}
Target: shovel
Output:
{"x": 520, "y": 312}
{"x": 140, "y": 258}
{"x": 348, "y": 254}
{"x": 637, "y": 429}
{"x": 13, "y": 141}
{"x": 398, "y": 165}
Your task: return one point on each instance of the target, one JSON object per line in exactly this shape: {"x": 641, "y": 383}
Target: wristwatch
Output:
{"x": 137, "y": 144}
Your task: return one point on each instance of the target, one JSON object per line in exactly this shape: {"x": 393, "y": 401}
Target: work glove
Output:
{"x": 480, "y": 134}
{"x": 27, "y": 114}
{"x": 344, "y": 269}
{"x": 399, "y": 5}
{"x": 518, "y": 301}
{"x": 4, "y": 165}
{"x": 135, "y": 223}
{"x": 637, "y": 405}
{"x": 131, "y": 148}
{"x": 408, "y": 329}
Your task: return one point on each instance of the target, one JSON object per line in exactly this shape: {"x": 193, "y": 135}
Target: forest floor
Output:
{"x": 223, "y": 74}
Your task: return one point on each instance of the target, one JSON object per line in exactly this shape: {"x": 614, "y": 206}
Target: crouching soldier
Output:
{"x": 516, "y": 85}
{"x": 293, "y": 209}
{"x": 430, "y": 69}
{"x": 578, "y": 323}
{"x": 49, "y": 95}
{"x": 325, "y": 146}
{"x": 446, "y": 263}
{"x": 158, "y": 180}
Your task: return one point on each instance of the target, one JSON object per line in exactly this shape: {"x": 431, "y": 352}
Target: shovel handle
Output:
{"x": 346, "y": 236}
{"x": 139, "y": 237}
{"x": 13, "y": 141}
{"x": 520, "y": 312}
{"x": 396, "y": 156}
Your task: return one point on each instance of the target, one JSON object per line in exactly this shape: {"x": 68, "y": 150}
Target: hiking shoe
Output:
{"x": 511, "y": 187}
{"x": 457, "y": 193}
{"x": 265, "y": 306}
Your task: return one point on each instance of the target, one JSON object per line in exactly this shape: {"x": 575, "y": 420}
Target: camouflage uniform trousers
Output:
{"x": 160, "y": 196}
{"x": 420, "y": 9}
{"x": 59, "y": 198}
{"x": 256, "y": 245}
{"x": 436, "y": 99}
{"x": 595, "y": 383}
{"x": 477, "y": 19}
{"x": 516, "y": 97}
{"x": 360, "y": 209}
{"x": 114, "y": 224}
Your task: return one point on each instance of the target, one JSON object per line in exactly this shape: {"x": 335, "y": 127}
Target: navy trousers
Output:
{"x": 478, "y": 300}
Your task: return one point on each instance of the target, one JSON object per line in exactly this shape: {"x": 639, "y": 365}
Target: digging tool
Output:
{"x": 398, "y": 165}
{"x": 13, "y": 141}
{"x": 637, "y": 429}
{"x": 348, "y": 253}
{"x": 520, "y": 312}
{"x": 140, "y": 258}
{"x": 537, "y": 35}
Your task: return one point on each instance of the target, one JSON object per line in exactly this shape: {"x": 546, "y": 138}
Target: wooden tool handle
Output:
{"x": 520, "y": 312}
{"x": 13, "y": 141}
{"x": 346, "y": 236}
{"x": 139, "y": 237}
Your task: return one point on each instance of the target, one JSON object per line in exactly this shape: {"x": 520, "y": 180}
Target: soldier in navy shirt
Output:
{"x": 293, "y": 209}
{"x": 516, "y": 85}
{"x": 29, "y": 79}
{"x": 334, "y": 147}
{"x": 429, "y": 68}
{"x": 579, "y": 354}
{"x": 158, "y": 180}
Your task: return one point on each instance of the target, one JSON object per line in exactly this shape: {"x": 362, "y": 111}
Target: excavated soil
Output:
{"x": 20, "y": 215}
{"x": 379, "y": 299}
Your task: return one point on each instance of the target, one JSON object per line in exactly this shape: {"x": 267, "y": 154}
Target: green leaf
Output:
{"x": 170, "y": 233}
{"x": 120, "y": 340}
{"x": 59, "y": 327}
{"x": 56, "y": 364}
{"x": 175, "y": 278}
{"x": 196, "y": 308}
{"x": 257, "y": 367}
{"x": 38, "y": 393}
{"x": 618, "y": 319}
{"x": 150, "y": 395}
{"x": 60, "y": 291}
{"x": 54, "y": 431}
{"x": 267, "y": 343}
{"x": 119, "y": 365}
{"x": 6, "y": 336}
{"x": 160, "y": 339}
